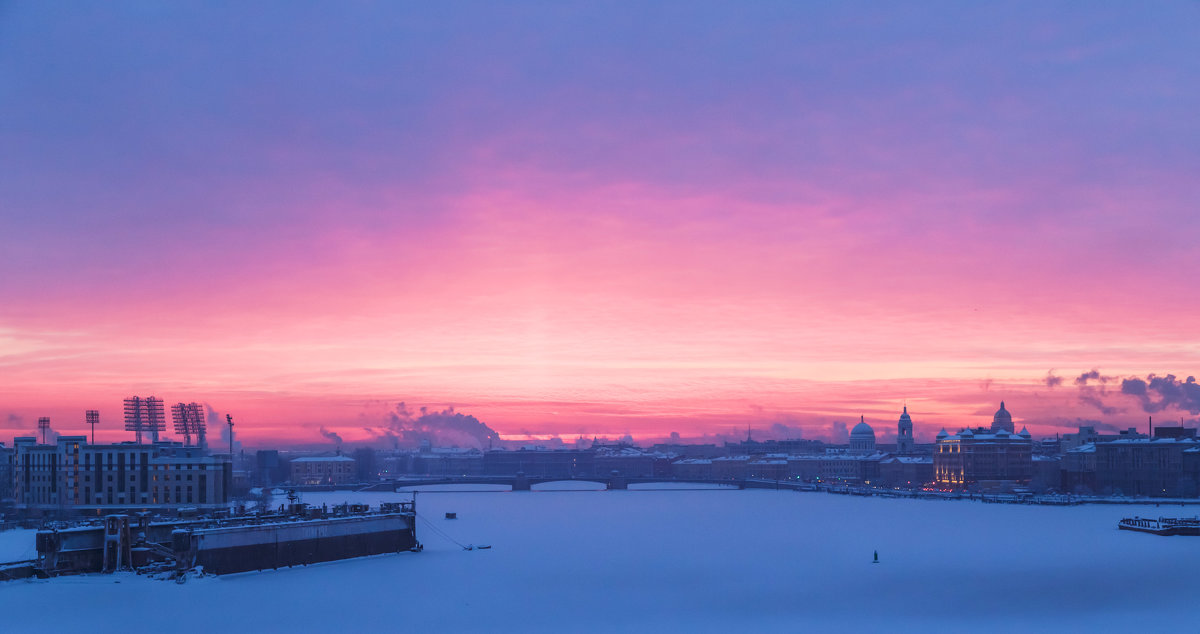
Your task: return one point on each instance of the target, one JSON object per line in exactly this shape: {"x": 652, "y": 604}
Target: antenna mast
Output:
{"x": 43, "y": 425}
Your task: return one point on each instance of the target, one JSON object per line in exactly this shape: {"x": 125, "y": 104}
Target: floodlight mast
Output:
{"x": 93, "y": 418}
{"x": 144, "y": 415}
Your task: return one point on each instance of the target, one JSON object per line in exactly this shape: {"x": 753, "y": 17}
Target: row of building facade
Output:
{"x": 1165, "y": 462}
{"x": 72, "y": 476}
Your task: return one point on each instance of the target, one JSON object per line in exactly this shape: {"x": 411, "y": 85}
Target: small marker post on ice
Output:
{"x": 876, "y": 557}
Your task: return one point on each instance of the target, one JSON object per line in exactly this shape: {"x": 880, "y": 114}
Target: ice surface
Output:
{"x": 18, "y": 545}
{"x": 718, "y": 560}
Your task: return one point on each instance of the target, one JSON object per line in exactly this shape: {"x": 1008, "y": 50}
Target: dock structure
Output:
{"x": 228, "y": 549}
{"x": 299, "y": 535}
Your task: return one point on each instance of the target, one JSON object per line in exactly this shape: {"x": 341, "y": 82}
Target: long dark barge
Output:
{"x": 297, "y": 535}
{"x": 1162, "y": 526}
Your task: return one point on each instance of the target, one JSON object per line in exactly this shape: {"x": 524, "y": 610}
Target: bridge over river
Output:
{"x": 522, "y": 482}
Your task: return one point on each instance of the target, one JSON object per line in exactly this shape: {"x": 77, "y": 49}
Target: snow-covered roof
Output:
{"x": 624, "y": 452}
{"x": 910, "y": 459}
{"x": 323, "y": 459}
{"x": 982, "y": 433}
{"x": 850, "y": 456}
{"x": 455, "y": 450}
{"x": 1150, "y": 441}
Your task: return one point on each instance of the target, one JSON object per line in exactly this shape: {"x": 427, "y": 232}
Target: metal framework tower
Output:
{"x": 145, "y": 415}
{"x": 93, "y": 418}
{"x": 189, "y": 421}
{"x": 43, "y": 427}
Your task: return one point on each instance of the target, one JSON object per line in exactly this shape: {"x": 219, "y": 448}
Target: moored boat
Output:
{"x": 1162, "y": 526}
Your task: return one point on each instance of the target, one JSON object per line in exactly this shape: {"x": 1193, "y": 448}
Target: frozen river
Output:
{"x": 718, "y": 560}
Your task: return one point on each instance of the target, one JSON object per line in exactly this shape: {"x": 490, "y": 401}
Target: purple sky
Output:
{"x": 596, "y": 218}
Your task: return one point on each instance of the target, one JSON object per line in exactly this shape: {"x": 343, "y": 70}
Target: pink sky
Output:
{"x": 644, "y": 227}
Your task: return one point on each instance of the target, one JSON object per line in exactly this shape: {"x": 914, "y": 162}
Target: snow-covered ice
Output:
{"x": 719, "y": 560}
{"x": 18, "y": 545}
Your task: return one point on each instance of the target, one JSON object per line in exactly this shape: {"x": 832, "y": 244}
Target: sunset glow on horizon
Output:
{"x": 574, "y": 221}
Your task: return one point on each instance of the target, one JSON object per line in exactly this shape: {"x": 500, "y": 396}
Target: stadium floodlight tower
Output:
{"x": 93, "y": 418}
{"x": 43, "y": 427}
{"x": 145, "y": 415}
{"x": 189, "y": 421}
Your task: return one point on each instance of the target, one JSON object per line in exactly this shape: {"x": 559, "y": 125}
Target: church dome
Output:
{"x": 905, "y": 418}
{"x": 862, "y": 429}
{"x": 1002, "y": 420}
{"x": 862, "y": 438}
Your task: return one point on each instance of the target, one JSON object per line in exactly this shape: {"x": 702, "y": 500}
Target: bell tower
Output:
{"x": 904, "y": 433}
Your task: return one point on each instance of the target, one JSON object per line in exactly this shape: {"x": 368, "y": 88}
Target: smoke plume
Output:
{"x": 1092, "y": 375}
{"x": 838, "y": 433}
{"x": 331, "y": 436}
{"x": 216, "y": 419}
{"x": 1156, "y": 393}
{"x": 440, "y": 427}
{"x": 1093, "y": 390}
{"x": 1096, "y": 402}
{"x": 1153, "y": 394}
{"x": 782, "y": 431}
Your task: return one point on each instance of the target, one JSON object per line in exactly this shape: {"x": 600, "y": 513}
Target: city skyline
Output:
{"x": 572, "y": 221}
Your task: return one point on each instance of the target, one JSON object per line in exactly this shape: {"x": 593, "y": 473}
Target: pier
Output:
{"x": 297, "y": 535}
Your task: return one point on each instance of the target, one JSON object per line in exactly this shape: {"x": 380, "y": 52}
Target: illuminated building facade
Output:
{"x": 973, "y": 456}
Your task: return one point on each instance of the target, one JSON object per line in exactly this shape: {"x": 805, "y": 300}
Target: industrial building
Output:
{"x": 540, "y": 463}
{"x": 1163, "y": 466}
{"x": 323, "y": 470}
{"x": 630, "y": 462}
